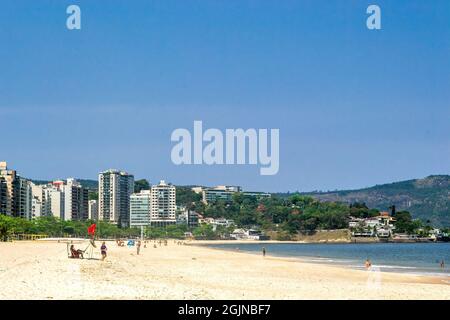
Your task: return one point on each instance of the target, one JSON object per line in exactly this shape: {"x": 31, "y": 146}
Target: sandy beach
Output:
{"x": 41, "y": 270}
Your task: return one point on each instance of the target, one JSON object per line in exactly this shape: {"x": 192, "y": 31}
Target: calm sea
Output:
{"x": 418, "y": 258}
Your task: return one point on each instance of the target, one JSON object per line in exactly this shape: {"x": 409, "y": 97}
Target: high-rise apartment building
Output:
{"x": 115, "y": 188}
{"x": 93, "y": 210}
{"x": 140, "y": 207}
{"x": 163, "y": 204}
{"x": 22, "y": 198}
{"x": 3, "y": 193}
{"x": 7, "y": 178}
{"x": 56, "y": 198}
{"x": 36, "y": 208}
{"x": 76, "y": 199}
{"x": 15, "y": 193}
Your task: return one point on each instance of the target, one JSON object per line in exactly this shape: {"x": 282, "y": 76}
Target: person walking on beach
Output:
{"x": 264, "y": 251}
{"x": 138, "y": 247}
{"x": 103, "y": 250}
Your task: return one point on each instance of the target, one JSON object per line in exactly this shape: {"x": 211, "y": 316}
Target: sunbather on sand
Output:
{"x": 76, "y": 254}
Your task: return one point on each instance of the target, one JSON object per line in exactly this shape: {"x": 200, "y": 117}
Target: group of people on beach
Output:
{"x": 78, "y": 253}
{"x": 368, "y": 264}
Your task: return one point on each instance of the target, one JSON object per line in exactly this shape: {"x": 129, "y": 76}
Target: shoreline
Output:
{"x": 302, "y": 259}
{"x": 429, "y": 277}
{"x": 305, "y": 242}
{"x": 337, "y": 241}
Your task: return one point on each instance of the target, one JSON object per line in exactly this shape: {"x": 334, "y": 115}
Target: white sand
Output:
{"x": 41, "y": 270}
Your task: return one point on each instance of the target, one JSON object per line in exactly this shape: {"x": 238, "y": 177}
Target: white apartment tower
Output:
{"x": 76, "y": 200}
{"x": 163, "y": 204}
{"x": 115, "y": 188}
{"x": 93, "y": 210}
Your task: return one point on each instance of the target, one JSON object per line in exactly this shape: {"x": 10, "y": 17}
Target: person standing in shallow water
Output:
{"x": 368, "y": 264}
{"x": 264, "y": 251}
{"x": 442, "y": 264}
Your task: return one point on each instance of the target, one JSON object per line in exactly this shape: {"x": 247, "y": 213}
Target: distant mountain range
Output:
{"x": 427, "y": 199}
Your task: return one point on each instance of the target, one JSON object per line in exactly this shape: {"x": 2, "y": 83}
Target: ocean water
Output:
{"x": 416, "y": 258}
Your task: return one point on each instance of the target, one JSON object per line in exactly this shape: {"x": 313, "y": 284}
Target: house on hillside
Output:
{"x": 381, "y": 226}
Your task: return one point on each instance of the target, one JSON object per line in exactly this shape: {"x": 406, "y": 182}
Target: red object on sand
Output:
{"x": 91, "y": 229}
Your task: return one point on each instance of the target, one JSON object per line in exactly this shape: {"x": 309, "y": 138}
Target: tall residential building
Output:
{"x": 7, "y": 178}
{"x": 56, "y": 202}
{"x": 36, "y": 208}
{"x": 41, "y": 200}
{"x": 76, "y": 199}
{"x": 3, "y": 193}
{"x": 22, "y": 198}
{"x": 93, "y": 210}
{"x": 163, "y": 204}
{"x": 115, "y": 188}
{"x": 140, "y": 207}
{"x": 15, "y": 193}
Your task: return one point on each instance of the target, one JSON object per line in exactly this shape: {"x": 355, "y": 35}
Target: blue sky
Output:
{"x": 354, "y": 107}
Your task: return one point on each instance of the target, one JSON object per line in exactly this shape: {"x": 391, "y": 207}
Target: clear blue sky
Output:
{"x": 354, "y": 107}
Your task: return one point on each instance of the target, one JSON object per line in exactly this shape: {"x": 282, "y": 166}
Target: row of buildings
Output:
{"x": 117, "y": 202}
{"x": 20, "y": 197}
{"x": 155, "y": 207}
{"x": 15, "y": 193}
{"x": 69, "y": 200}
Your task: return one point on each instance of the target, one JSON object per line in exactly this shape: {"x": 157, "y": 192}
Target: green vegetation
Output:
{"x": 360, "y": 210}
{"x": 405, "y": 224}
{"x": 93, "y": 195}
{"x": 188, "y": 198}
{"x": 288, "y": 217}
{"x": 426, "y": 199}
{"x": 141, "y": 185}
{"x": 54, "y": 227}
{"x": 292, "y": 215}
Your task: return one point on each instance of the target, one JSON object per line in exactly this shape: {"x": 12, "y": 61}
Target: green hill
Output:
{"x": 426, "y": 199}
